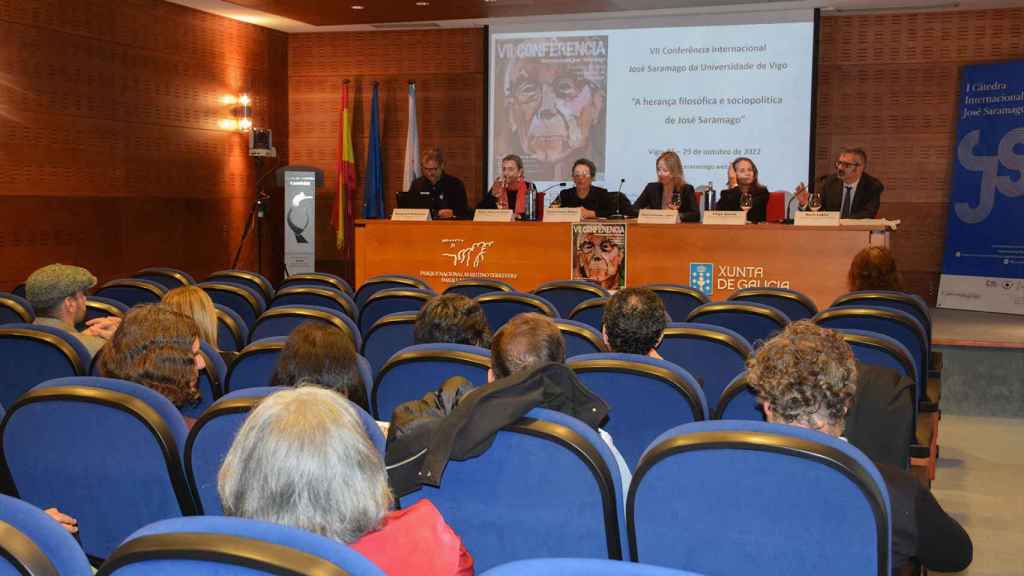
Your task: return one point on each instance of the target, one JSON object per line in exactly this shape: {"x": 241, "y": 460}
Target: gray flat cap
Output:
{"x": 50, "y": 284}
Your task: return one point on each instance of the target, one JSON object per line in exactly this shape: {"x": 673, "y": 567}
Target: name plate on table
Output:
{"x": 816, "y": 218}
{"x": 651, "y": 216}
{"x": 410, "y": 214}
{"x": 489, "y": 215}
{"x": 727, "y": 217}
{"x": 563, "y": 214}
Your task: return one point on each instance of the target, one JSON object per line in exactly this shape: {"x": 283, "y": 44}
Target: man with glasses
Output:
{"x": 57, "y": 295}
{"x": 599, "y": 258}
{"x": 850, "y": 190}
{"x": 595, "y": 201}
{"x": 447, "y": 193}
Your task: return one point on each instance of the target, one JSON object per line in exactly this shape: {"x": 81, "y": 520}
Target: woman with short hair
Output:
{"x": 320, "y": 353}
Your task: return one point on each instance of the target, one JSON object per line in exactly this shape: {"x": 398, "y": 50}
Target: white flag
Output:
{"x": 412, "y": 143}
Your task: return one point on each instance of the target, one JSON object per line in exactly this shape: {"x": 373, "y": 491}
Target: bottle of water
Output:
{"x": 531, "y": 203}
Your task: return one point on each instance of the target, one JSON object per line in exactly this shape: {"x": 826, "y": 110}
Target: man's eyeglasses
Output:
{"x": 605, "y": 246}
{"x": 844, "y": 164}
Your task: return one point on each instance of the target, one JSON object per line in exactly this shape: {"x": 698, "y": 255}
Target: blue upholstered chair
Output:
{"x": 246, "y": 301}
{"x": 232, "y": 331}
{"x": 565, "y": 295}
{"x": 388, "y": 335}
{"x": 132, "y": 291}
{"x": 169, "y": 278}
{"x": 334, "y": 299}
{"x": 738, "y": 402}
{"x": 211, "y": 437}
{"x": 795, "y": 305}
{"x": 910, "y": 303}
{"x": 679, "y": 299}
{"x": 418, "y": 369}
{"x": 580, "y": 338}
{"x": 712, "y": 354}
{"x": 500, "y": 307}
{"x": 581, "y": 567}
{"x": 251, "y": 280}
{"x": 15, "y": 309}
{"x": 646, "y": 396}
{"x": 759, "y": 498}
{"x": 755, "y": 322}
{"x": 875, "y": 348}
{"x": 100, "y": 307}
{"x": 386, "y": 282}
{"x": 222, "y": 546}
{"x": 281, "y": 321}
{"x": 31, "y": 354}
{"x": 32, "y": 543}
{"x": 384, "y": 302}
{"x": 254, "y": 366}
{"x": 318, "y": 280}
{"x": 211, "y": 381}
{"x": 473, "y": 287}
{"x": 111, "y": 456}
{"x": 548, "y": 486}
{"x": 590, "y": 312}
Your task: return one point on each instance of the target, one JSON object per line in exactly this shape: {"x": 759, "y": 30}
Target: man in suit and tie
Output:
{"x": 850, "y": 190}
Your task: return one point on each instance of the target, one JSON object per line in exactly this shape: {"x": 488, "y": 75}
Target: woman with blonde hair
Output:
{"x": 671, "y": 190}
{"x": 194, "y": 302}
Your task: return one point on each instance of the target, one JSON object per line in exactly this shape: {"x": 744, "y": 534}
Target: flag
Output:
{"x": 412, "y": 143}
{"x": 341, "y": 213}
{"x": 373, "y": 187}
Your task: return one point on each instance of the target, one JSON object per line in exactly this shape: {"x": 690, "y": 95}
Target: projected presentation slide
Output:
{"x": 620, "y": 97}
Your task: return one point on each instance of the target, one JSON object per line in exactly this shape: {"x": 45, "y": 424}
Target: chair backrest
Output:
{"x": 795, "y": 305}
{"x": 738, "y": 402}
{"x": 590, "y": 312}
{"x": 877, "y": 348}
{"x": 255, "y": 364}
{"x": 776, "y": 208}
{"x": 223, "y": 546}
{"x": 32, "y": 544}
{"x": 910, "y": 303}
{"x": 31, "y": 354}
{"x": 712, "y": 354}
{"x": 132, "y": 291}
{"x": 645, "y": 396}
{"x": 755, "y": 322}
{"x": 111, "y": 456}
{"x": 15, "y": 309}
{"x": 387, "y": 336}
{"x": 252, "y": 280}
{"x": 767, "y": 499}
{"x": 318, "y": 279}
{"x": 211, "y": 380}
{"x": 100, "y": 307}
{"x": 500, "y": 307}
{"x": 232, "y": 331}
{"x": 581, "y": 567}
{"x": 580, "y": 338}
{"x": 246, "y": 301}
{"x": 679, "y": 299}
{"x": 546, "y": 487}
{"x": 169, "y": 278}
{"x": 384, "y": 302}
{"x": 281, "y": 321}
{"x": 418, "y": 369}
{"x": 313, "y": 296}
{"x": 473, "y": 287}
{"x": 565, "y": 295}
{"x": 387, "y": 282}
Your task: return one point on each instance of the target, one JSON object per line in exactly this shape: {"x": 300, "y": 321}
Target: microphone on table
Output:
{"x": 618, "y": 197}
{"x": 559, "y": 184}
{"x": 817, "y": 182}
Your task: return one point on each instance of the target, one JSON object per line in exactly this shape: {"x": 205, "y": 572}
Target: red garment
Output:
{"x": 416, "y": 541}
{"x": 502, "y": 197}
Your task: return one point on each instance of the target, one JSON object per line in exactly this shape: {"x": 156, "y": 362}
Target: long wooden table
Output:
{"x": 813, "y": 260}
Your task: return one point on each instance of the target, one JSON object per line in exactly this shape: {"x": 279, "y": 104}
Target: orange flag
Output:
{"x": 341, "y": 213}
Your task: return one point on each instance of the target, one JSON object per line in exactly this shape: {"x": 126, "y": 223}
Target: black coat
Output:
{"x": 689, "y": 209}
{"x": 730, "y": 200}
{"x": 867, "y": 198}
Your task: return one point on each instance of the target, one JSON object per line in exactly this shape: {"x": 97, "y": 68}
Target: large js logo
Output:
{"x": 989, "y": 168}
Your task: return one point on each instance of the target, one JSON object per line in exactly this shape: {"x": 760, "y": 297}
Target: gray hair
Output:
{"x": 302, "y": 459}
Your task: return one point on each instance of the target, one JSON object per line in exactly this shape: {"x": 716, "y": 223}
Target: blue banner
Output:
{"x": 983, "y": 262}
{"x": 373, "y": 189}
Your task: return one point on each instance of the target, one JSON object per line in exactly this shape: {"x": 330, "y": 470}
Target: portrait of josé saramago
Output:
{"x": 599, "y": 254}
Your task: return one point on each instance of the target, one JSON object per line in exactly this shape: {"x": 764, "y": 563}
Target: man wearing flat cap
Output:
{"x": 57, "y": 294}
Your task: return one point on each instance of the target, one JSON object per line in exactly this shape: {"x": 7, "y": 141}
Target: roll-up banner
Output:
{"x": 300, "y": 221}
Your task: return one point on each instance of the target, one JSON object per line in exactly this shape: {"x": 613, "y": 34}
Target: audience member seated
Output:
{"x": 452, "y": 318}
{"x": 806, "y": 376}
{"x": 302, "y": 459}
{"x": 320, "y": 353}
{"x": 158, "y": 348}
{"x": 194, "y": 302}
{"x": 57, "y": 295}
{"x": 874, "y": 268}
{"x": 634, "y": 320}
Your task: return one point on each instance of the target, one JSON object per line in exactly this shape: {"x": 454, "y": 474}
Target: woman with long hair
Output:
{"x": 671, "y": 190}
{"x": 747, "y": 194}
{"x": 195, "y": 303}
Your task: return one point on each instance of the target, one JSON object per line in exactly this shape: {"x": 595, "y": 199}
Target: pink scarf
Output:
{"x": 502, "y": 197}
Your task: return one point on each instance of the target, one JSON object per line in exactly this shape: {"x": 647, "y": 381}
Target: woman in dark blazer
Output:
{"x": 746, "y": 183}
{"x": 671, "y": 190}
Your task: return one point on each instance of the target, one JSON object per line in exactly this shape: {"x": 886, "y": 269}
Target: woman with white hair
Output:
{"x": 302, "y": 459}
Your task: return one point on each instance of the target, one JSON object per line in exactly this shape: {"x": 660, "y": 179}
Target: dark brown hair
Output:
{"x": 452, "y": 318}
{"x": 874, "y": 268}
{"x": 320, "y": 353}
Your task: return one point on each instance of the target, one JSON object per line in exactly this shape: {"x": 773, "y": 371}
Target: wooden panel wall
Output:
{"x": 110, "y": 154}
{"x": 889, "y": 84}
{"x": 448, "y": 68}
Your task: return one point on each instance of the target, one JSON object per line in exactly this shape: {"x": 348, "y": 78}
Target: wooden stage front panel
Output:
{"x": 813, "y": 260}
